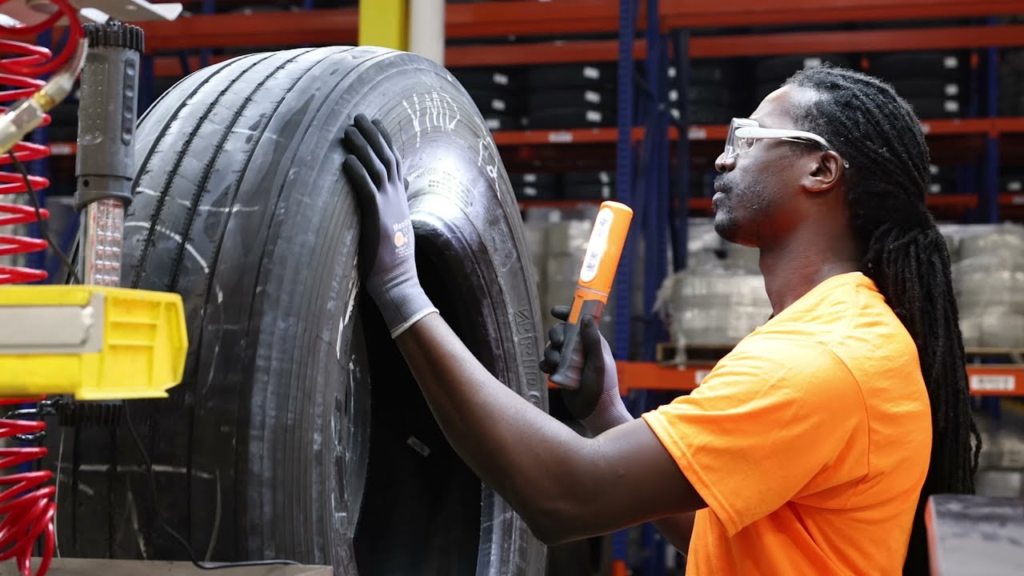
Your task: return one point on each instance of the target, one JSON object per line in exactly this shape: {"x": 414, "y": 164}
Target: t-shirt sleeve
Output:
{"x": 773, "y": 421}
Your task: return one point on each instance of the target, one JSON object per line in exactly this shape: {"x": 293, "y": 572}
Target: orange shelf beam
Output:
{"x": 1008, "y": 125}
{"x": 685, "y": 13}
{"x": 718, "y": 132}
{"x": 532, "y": 18}
{"x": 948, "y": 201}
{"x": 578, "y": 136}
{"x": 857, "y": 41}
{"x": 696, "y": 204}
{"x": 337, "y": 27}
{"x": 538, "y": 53}
{"x": 984, "y": 381}
{"x": 1011, "y": 199}
{"x": 953, "y": 201}
{"x": 328, "y": 27}
{"x": 745, "y": 45}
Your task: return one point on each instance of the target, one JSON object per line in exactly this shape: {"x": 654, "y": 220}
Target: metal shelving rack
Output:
{"x": 643, "y": 151}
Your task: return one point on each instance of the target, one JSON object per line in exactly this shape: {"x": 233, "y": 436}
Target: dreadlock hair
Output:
{"x": 902, "y": 250}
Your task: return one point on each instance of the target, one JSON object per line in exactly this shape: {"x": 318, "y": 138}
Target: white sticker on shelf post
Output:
{"x": 699, "y": 376}
{"x": 993, "y": 383}
{"x": 560, "y": 137}
{"x": 698, "y": 133}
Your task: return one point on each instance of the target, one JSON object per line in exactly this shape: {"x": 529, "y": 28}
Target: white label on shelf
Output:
{"x": 1018, "y": 200}
{"x": 952, "y": 90}
{"x": 605, "y": 177}
{"x": 560, "y": 137}
{"x": 501, "y": 79}
{"x": 61, "y": 149}
{"x": 592, "y": 97}
{"x": 597, "y": 245}
{"x": 951, "y": 62}
{"x": 926, "y": 127}
{"x": 671, "y": 71}
{"x": 493, "y": 124}
{"x": 591, "y": 72}
{"x": 1015, "y": 185}
{"x": 529, "y": 191}
{"x": 698, "y": 133}
{"x": 994, "y": 382}
{"x": 951, "y": 106}
{"x": 594, "y": 116}
{"x": 498, "y": 105}
{"x": 530, "y": 178}
{"x": 673, "y": 95}
{"x": 933, "y": 169}
{"x": 935, "y": 188}
{"x": 699, "y": 376}
{"x": 812, "y": 62}
{"x": 606, "y": 192}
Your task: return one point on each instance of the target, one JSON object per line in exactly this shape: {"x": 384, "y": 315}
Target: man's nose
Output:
{"x": 723, "y": 164}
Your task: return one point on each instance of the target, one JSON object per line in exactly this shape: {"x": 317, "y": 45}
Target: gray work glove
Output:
{"x": 597, "y": 403}
{"x": 387, "y": 255}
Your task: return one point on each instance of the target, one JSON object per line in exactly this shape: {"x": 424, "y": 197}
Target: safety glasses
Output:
{"x": 743, "y": 132}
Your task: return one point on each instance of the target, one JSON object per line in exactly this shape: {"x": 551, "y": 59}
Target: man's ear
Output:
{"x": 824, "y": 172}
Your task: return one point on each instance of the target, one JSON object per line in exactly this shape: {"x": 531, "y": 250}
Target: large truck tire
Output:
{"x": 298, "y": 431}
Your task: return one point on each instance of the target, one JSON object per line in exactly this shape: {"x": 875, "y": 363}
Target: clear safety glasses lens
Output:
{"x": 734, "y": 144}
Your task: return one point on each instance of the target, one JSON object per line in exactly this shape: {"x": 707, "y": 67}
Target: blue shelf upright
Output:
{"x": 624, "y": 173}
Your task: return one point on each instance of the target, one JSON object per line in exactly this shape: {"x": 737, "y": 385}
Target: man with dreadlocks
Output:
{"x": 812, "y": 447}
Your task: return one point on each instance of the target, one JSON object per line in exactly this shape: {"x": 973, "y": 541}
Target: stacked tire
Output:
{"x": 931, "y": 82}
{"x": 1011, "y": 84}
{"x": 943, "y": 180}
{"x": 771, "y": 73}
{"x": 716, "y": 94}
{"x": 535, "y": 186}
{"x": 497, "y": 93}
{"x": 569, "y": 96}
{"x": 1012, "y": 180}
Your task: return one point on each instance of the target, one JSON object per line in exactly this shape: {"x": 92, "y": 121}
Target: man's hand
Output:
{"x": 387, "y": 256}
{"x": 597, "y": 403}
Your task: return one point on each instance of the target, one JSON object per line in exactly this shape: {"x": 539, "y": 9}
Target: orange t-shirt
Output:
{"x": 809, "y": 442}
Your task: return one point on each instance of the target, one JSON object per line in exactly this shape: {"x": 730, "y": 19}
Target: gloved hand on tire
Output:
{"x": 597, "y": 403}
{"x": 387, "y": 265}
{"x": 387, "y": 254}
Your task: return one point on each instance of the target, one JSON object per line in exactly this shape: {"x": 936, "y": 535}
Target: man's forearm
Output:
{"x": 565, "y": 486}
{"x": 515, "y": 448}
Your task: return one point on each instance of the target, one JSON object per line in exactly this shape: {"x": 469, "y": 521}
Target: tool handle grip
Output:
{"x": 570, "y": 365}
